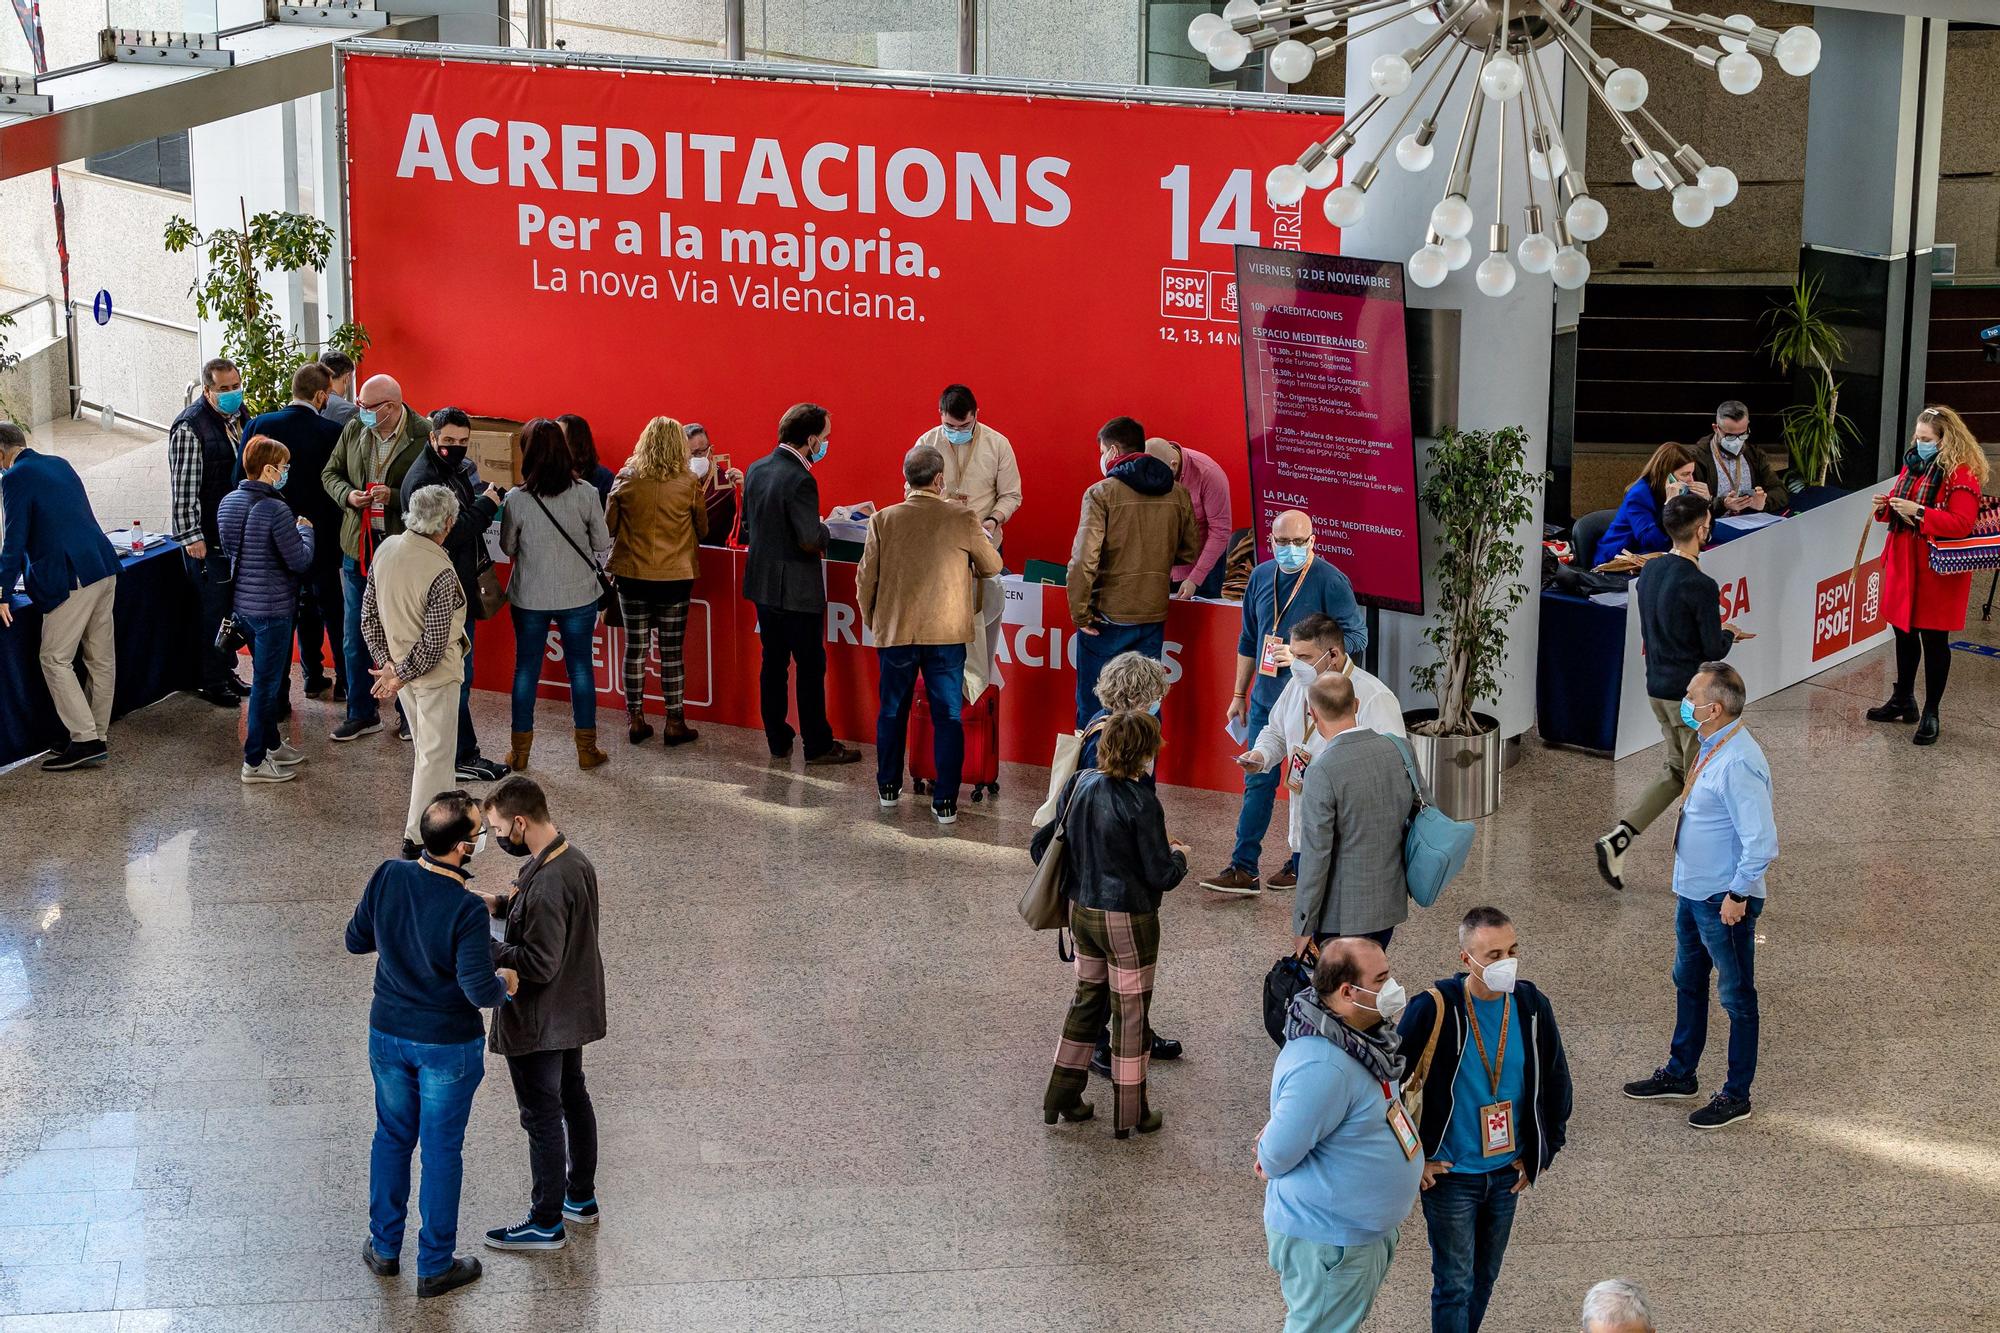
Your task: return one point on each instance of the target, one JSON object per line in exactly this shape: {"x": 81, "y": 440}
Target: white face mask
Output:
{"x": 1389, "y": 1000}
{"x": 1732, "y": 444}
{"x": 1499, "y": 976}
{"x": 1304, "y": 672}
{"x": 698, "y": 466}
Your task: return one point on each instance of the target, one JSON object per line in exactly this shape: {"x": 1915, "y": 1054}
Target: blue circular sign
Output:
{"x": 100, "y": 309}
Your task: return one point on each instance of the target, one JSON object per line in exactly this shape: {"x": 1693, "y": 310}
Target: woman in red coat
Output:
{"x": 1935, "y": 497}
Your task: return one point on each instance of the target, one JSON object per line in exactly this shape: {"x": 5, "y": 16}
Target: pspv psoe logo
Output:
{"x": 1193, "y": 293}
{"x": 1847, "y": 609}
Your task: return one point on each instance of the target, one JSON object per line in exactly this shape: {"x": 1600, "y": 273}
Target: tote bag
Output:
{"x": 1434, "y": 844}
{"x": 1069, "y": 752}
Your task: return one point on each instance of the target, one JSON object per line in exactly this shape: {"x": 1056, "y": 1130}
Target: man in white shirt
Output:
{"x": 1316, "y": 648}
{"x": 979, "y": 467}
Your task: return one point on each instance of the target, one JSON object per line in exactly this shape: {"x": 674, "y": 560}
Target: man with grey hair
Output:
{"x": 1617, "y": 1305}
{"x": 1740, "y": 479}
{"x": 1726, "y": 838}
{"x": 413, "y": 621}
{"x": 917, "y": 587}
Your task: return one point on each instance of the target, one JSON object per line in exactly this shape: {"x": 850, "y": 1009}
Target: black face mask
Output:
{"x": 453, "y": 454}
{"x": 509, "y": 846}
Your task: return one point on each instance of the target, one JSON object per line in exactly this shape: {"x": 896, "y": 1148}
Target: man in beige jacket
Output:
{"x": 979, "y": 467}
{"x": 1137, "y": 524}
{"x": 916, "y": 587}
{"x": 413, "y": 621}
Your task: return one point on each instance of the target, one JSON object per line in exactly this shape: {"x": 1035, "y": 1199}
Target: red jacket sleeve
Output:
{"x": 1954, "y": 518}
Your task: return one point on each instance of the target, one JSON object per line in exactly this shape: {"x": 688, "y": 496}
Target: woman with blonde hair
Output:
{"x": 1935, "y": 498}
{"x": 657, "y": 519}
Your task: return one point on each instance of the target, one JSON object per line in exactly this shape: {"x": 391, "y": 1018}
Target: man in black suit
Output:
{"x": 311, "y": 437}
{"x": 783, "y": 577}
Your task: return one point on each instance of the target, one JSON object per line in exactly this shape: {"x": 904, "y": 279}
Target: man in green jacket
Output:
{"x": 364, "y": 475}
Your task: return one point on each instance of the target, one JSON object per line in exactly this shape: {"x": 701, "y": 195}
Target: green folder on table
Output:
{"x": 1044, "y": 571}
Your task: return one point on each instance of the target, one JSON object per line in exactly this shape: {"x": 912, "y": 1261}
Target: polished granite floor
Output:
{"x": 820, "y": 1097}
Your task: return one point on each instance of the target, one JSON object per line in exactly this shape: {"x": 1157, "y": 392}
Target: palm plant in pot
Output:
{"x": 1478, "y": 494}
{"x": 1805, "y": 340}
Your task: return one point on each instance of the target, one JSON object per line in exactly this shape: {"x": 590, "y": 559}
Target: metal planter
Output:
{"x": 1463, "y": 771}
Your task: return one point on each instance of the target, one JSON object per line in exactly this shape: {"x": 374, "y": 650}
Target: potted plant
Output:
{"x": 1478, "y": 493}
{"x": 1804, "y": 338}
{"x": 231, "y": 290}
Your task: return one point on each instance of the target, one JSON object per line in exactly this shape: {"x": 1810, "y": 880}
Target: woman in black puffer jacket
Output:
{"x": 1120, "y": 862}
{"x": 270, "y": 548}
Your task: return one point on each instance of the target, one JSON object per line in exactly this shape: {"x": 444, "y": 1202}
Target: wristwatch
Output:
{"x": 1736, "y": 897}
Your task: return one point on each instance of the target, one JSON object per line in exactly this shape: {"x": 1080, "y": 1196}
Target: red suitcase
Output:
{"x": 981, "y": 720}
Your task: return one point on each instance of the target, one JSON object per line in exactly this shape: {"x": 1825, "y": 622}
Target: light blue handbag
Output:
{"x": 1434, "y": 844}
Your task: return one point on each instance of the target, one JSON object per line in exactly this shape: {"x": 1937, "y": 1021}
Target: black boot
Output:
{"x": 1900, "y": 708}
{"x": 1927, "y": 729}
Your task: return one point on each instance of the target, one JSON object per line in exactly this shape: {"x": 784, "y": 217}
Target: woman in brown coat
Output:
{"x": 657, "y": 519}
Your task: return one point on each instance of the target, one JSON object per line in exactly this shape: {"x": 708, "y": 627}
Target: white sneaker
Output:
{"x": 266, "y": 772}
{"x": 286, "y": 755}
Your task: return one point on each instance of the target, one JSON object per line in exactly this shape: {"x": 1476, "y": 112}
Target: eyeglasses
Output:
{"x": 1291, "y": 541}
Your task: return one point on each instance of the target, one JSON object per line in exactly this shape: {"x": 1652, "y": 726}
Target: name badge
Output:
{"x": 1295, "y": 768}
{"x": 1267, "y": 664}
{"x": 1399, "y": 1125}
{"x": 1496, "y": 1128}
{"x": 378, "y": 518}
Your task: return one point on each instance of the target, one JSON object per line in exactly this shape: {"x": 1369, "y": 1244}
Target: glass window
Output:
{"x": 161, "y": 163}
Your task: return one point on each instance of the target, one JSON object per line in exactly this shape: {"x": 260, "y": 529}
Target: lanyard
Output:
{"x": 1721, "y": 740}
{"x": 1729, "y": 466}
{"x": 1492, "y": 1066}
{"x": 1278, "y": 612}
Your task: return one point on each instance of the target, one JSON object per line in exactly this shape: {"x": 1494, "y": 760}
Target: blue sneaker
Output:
{"x": 527, "y": 1236}
{"x": 584, "y": 1213}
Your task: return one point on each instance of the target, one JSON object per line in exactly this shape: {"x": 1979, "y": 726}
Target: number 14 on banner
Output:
{"x": 1228, "y": 218}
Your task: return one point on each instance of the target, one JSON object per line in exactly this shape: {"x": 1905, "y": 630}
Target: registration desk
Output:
{"x": 1794, "y": 584}
{"x": 158, "y": 653}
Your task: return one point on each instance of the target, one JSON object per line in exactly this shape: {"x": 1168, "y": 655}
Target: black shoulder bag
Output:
{"x": 607, "y": 600}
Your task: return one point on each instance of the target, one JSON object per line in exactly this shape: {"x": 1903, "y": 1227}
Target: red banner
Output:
{"x": 529, "y": 241}
{"x": 1037, "y": 666}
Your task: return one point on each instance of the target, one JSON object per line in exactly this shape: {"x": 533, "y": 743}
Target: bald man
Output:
{"x": 1284, "y": 590}
{"x": 1207, "y": 486}
{"x": 364, "y": 476}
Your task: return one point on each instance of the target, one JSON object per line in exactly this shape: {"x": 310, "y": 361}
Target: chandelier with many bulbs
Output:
{"x": 1502, "y": 35}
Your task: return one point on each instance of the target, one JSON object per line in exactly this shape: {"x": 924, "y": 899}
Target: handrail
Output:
{"x": 30, "y": 304}
{"x": 152, "y": 320}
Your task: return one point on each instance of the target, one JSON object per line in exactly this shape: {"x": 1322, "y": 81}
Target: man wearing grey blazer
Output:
{"x": 1357, "y": 800}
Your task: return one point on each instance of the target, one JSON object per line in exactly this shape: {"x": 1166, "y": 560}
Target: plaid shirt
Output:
{"x": 184, "y": 477}
{"x": 445, "y": 597}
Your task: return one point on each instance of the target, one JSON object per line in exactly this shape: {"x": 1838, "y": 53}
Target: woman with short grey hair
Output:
{"x": 431, "y": 512}
{"x": 1617, "y": 1305}
{"x": 1130, "y": 683}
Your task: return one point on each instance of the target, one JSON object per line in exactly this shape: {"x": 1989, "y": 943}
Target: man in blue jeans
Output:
{"x": 1136, "y": 525}
{"x": 1293, "y": 584}
{"x": 918, "y": 590}
{"x": 1496, "y": 1104}
{"x": 426, "y": 1045}
{"x": 1726, "y": 839}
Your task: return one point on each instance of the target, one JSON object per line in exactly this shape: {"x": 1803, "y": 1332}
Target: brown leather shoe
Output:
{"x": 835, "y": 754}
{"x": 518, "y": 745}
{"x": 1234, "y": 880}
{"x": 637, "y": 729}
{"x": 587, "y": 753}
{"x": 1284, "y": 879}
{"x": 675, "y": 730}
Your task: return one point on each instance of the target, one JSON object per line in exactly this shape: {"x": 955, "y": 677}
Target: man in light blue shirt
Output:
{"x": 1340, "y": 1156}
{"x": 1726, "y": 839}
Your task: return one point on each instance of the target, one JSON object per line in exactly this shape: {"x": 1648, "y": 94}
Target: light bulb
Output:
{"x": 1536, "y": 253}
{"x": 1496, "y": 275}
{"x": 1427, "y": 17}
{"x": 1547, "y": 166}
{"x": 1742, "y": 23}
{"x": 1721, "y": 184}
{"x": 1452, "y": 216}
{"x": 1228, "y": 51}
{"x": 1286, "y": 185}
{"x": 1204, "y": 29}
{"x": 1586, "y": 218}
{"x": 1740, "y": 73}
{"x": 1650, "y": 22}
{"x": 1322, "y": 175}
{"x": 1457, "y": 252}
{"x": 1626, "y": 89}
{"x": 1646, "y": 175}
{"x": 1798, "y": 51}
{"x": 1412, "y": 154}
{"x": 1502, "y": 78}
{"x": 1692, "y": 206}
{"x": 1427, "y": 267}
{"x": 1290, "y": 61}
{"x": 1239, "y": 9}
{"x": 1389, "y": 74}
{"x": 1571, "y": 269}
{"x": 1343, "y": 206}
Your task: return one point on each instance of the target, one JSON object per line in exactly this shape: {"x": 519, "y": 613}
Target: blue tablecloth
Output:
{"x": 1581, "y": 654}
{"x": 158, "y": 653}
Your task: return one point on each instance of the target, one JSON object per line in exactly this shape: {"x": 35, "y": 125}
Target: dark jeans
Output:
{"x": 562, "y": 1129}
{"x": 361, "y": 704}
{"x": 1260, "y": 796}
{"x": 214, "y": 593}
{"x": 1934, "y": 647}
{"x": 793, "y": 637}
{"x": 1469, "y": 1218}
{"x": 468, "y": 740}
{"x": 423, "y": 1096}
{"x": 1701, "y": 944}
{"x": 322, "y": 614}
{"x": 1094, "y": 650}
{"x": 531, "y": 640}
{"x": 270, "y": 680}
{"x": 943, "y": 668}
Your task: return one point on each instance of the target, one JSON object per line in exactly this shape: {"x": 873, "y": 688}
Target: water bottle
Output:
{"x": 138, "y": 536}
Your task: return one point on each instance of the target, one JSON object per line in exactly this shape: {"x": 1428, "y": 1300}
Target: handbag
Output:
{"x": 607, "y": 599}
{"x": 1045, "y": 904}
{"x": 1413, "y": 1085}
{"x": 1069, "y": 752}
{"x": 1434, "y": 844}
{"x": 1287, "y": 977}
{"x": 1965, "y": 555}
{"x": 491, "y": 596}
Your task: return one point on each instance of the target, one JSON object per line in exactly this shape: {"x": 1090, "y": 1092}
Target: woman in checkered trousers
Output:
{"x": 657, "y": 519}
{"x": 1120, "y": 862}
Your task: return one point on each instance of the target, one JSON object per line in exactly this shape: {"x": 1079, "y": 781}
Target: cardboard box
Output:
{"x": 496, "y": 448}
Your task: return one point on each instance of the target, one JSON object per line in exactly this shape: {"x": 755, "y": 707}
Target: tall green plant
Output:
{"x": 1803, "y": 336}
{"x": 8, "y": 360}
{"x": 1479, "y": 493}
{"x": 231, "y": 291}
